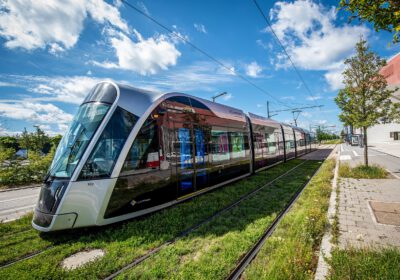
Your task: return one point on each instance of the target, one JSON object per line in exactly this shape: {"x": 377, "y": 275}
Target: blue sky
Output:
{"x": 52, "y": 52}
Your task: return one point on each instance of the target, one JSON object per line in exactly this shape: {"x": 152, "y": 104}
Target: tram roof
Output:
{"x": 138, "y": 101}
{"x": 260, "y": 120}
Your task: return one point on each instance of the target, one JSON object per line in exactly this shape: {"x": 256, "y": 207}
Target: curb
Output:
{"x": 20, "y": 188}
{"x": 326, "y": 245}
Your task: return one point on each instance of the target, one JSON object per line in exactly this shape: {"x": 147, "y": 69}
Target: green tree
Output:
{"x": 365, "y": 100}
{"x": 383, "y": 14}
{"x": 7, "y": 142}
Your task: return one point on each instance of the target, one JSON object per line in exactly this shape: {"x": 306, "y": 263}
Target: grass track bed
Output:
{"x": 291, "y": 251}
{"x": 126, "y": 241}
{"x": 365, "y": 264}
{"x": 213, "y": 250}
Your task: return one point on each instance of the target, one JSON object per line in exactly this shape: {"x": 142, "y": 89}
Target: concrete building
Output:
{"x": 390, "y": 132}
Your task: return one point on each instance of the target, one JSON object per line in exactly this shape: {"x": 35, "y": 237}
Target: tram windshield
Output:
{"x": 76, "y": 139}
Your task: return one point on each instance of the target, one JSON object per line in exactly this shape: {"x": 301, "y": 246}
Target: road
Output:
{"x": 14, "y": 204}
{"x": 355, "y": 155}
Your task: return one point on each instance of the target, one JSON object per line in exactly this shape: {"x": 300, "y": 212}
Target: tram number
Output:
{"x": 90, "y": 184}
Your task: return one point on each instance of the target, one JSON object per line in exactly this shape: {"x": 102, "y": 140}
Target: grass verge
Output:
{"x": 122, "y": 242}
{"x": 213, "y": 250}
{"x": 291, "y": 252}
{"x": 365, "y": 264}
{"x": 332, "y": 142}
{"x": 362, "y": 172}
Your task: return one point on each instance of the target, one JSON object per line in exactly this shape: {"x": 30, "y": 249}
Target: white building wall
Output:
{"x": 381, "y": 133}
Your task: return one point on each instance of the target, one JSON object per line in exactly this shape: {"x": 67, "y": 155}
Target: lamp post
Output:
{"x": 218, "y": 95}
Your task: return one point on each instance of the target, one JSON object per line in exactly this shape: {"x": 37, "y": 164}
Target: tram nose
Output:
{"x": 50, "y": 196}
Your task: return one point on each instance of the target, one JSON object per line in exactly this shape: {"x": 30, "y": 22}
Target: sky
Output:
{"x": 53, "y": 52}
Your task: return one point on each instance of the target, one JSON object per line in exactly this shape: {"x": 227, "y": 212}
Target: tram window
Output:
{"x": 180, "y": 99}
{"x": 144, "y": 151}
{"x": 237, "y": 144}
{"x": 258, "y": 139}
{"x": 102, "y": 159}
{"x": 271, "y": 140}
{"x": 220, "y": 145}
{"x": 197, "y": 104}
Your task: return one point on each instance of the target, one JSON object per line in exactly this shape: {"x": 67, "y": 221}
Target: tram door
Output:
{"x": 190, "y": 151}
{"x": 201, "y": 134}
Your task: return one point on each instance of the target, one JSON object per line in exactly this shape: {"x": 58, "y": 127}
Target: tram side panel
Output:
{"x": 268, "y": 145}
{"x": 181, "y": 150}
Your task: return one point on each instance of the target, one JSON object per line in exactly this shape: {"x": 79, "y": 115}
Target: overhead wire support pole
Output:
{"x": 202, "y": 51}
{"x": 269, "y": 115}
{"x": 284, "y": 49}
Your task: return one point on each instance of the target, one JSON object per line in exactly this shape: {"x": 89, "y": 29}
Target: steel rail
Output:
{"x": 155, "y": 250}
{"x": 252, "y": 253}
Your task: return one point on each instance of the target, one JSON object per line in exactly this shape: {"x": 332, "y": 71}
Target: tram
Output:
{"x": 130, "y": 152}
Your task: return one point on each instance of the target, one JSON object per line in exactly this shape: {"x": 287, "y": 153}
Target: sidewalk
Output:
{"x": 391, "y": 148}
{"x": 361, "y": 226}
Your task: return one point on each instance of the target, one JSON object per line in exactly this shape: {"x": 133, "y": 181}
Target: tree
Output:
{"x": 7, "y": 142}
{"x": 365, "y": 100}
{"x": 384, "y": 14}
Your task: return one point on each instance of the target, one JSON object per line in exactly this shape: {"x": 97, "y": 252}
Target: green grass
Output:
{"x": 365, "y": 264}
{"x": 330, "y": 142}
{"x": 122, "y": 242}
{"x": 213, "y": 250}
{"x": 362, "y": 172}
{"x": 291, "y": 252}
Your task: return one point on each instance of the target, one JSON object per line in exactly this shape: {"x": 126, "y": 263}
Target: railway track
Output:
{"x": 186, "y": 232}
{"x": 252, "y": 253}
{"x": 154, "y": 251}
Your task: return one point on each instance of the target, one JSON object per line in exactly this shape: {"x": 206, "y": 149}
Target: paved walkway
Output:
{"x": 357, "y": 221}
{"x": 392, "y": 148}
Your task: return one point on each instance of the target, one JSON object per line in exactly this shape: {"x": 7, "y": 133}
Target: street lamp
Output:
{"x": 218, "y": 95}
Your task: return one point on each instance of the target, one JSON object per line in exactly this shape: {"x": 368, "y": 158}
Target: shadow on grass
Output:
{"x": 125, "y": 241}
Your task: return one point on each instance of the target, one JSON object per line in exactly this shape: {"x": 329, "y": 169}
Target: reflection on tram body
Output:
{"x": 129, "y": 152}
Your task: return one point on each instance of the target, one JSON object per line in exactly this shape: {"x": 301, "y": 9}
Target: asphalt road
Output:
{"x": 355, "y": 155}
{"x": 14, "y": 204}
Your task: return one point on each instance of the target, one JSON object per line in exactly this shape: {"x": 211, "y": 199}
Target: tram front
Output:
{"x": 66, "y": 195}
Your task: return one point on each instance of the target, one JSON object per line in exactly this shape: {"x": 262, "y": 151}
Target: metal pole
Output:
{"x": 218, "y": 95}
{"x": 268, "y": 109}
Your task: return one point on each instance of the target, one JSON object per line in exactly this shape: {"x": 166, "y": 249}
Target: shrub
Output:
{"x": 362, "y": 172}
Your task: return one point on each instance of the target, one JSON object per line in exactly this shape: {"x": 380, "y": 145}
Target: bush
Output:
{"x": 362, "y": 172}
{"x": 32, "y": 170}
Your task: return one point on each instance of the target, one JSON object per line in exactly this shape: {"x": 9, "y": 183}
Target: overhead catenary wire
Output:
{"x": 284, "y": 50}
{"x": 202, "y": 51}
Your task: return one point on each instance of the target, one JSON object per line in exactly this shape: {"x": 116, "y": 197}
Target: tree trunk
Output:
{"x": 365, "y": 146}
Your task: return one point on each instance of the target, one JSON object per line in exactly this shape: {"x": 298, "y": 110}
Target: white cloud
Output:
{"x": 312, "y": 38}
{"x": 260, "y": 105}
{"x": 6, "y": 84}
{"x": 253, "y": 69}
{"x": 306, "y": 114}
{"x": 290, "y": 97}
{"x": 64, "y": 89}
{"x": 200, "y": 27}
{"x": 143, "y": 7}
{"x": 202, "y": 75}
{"x": 146, "y": 56}
{"x": 35, "y": 112}
{"x": 227, "y": 97}
{"x": 314, "y": 97}
{"x": 335, "y": 78}
{"x": 52, "y": 24}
